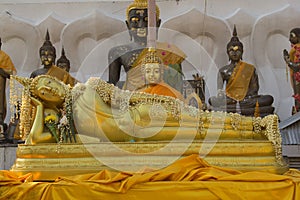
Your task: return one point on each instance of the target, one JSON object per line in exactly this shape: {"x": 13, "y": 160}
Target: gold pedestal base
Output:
{"x": 48, "y": 161}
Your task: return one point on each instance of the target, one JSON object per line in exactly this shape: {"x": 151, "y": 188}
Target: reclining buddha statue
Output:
{"x": 150, "y": 128}
{"x": 240, "y": 93}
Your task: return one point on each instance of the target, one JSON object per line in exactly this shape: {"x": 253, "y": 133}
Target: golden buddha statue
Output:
{"x": 152, "y": 71}
{"x": 138, "y": 123}
{"x": 47, "y": 102}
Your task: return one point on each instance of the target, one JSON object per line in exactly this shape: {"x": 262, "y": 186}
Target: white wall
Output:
{"x": 201, "y": 28}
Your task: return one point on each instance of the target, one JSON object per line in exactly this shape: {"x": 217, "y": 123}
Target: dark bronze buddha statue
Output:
{"x": 48, "y": 56}
{"x": 63, "y": 62}
{"x": 127, "y": 54}
{"x": 238, "y": 85}
{"x": 292, "y": 60}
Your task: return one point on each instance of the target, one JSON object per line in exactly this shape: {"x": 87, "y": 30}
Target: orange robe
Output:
{"x": 163, "y": 89}
{"x": 6, "y": 64}
{"x": 239, "y": 81}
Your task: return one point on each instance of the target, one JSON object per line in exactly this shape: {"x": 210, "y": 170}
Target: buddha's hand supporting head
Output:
{"x": 35, "y": 101}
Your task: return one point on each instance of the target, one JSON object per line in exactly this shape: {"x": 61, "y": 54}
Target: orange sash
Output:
{"x": 239, "y": 81}
{"x": 6, "y": 63}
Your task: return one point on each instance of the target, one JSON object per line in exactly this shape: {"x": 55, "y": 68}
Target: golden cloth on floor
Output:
{"x": 188, "y": 178}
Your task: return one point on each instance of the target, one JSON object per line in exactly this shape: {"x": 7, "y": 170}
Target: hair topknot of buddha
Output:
{"x": 140, "y": 4}
{"x": 234, "y": 41}
{"x": 63, "y": 58}
{"x": 48, "y": 44}
{"x": 151, "y": 57}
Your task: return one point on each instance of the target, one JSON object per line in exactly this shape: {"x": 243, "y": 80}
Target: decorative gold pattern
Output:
{"x": 76, "y": 158}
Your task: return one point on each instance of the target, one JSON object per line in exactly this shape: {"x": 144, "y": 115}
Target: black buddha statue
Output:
{"x": 238, "y": 85}
{"x": 63, "y": 62}
{"x": 48, "y": 56}
{"x": 127, "y": 54}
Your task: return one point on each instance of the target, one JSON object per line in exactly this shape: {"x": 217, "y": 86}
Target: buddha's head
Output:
{"x": 46, "y": 88}
{"x": 295, "y": 36}
{"x": 235, "y": 47}
{"x": 152, "y": 67}
{"x": 47, "y": 52}
{"x": 63, "y": 62}
{"x": 137, "y": 20}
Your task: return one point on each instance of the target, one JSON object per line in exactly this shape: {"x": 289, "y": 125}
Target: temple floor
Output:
{"x": 187, "y": 178}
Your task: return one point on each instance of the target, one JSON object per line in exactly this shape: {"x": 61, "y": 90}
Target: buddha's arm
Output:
{"x": 114, "y": 68}
{"x": 36, "y": 134}
{"x": 220, "y": 81}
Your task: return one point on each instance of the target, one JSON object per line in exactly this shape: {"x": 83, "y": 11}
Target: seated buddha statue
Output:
{"x": 153, "y": 70}
{"x": 238, "y": 85}
{"x": 63, "y": 62}
{"x": 126, "y": 55}
{"x": 48, "y": 56}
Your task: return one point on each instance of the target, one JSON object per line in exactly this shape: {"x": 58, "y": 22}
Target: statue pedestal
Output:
{"x": 45, "y": 162}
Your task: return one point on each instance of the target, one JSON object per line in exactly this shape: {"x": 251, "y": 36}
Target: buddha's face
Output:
{"x": 235, "y": 53}
{"x": 153, "y": 73}
{"x": 64, "y": 66}
{"x": 293, "y": 38}
{"x": 137, "y": 24}
{"x": 47, "y": 57}
{"x": 50, "y": 90}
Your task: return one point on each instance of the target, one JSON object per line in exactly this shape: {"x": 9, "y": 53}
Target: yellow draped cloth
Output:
{"x": 6, "y": 64}
{"x": 187, "y": 178}
{"x": 239, "y": 81}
